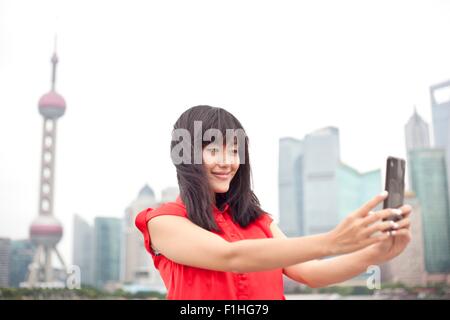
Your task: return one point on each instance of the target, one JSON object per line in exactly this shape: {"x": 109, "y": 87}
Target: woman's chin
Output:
{"x": 221, "y": 189}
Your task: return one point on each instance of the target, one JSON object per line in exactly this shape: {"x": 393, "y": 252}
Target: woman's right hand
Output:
{"x": 363, "y": 227}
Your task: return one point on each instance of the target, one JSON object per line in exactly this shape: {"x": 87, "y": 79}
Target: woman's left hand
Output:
{"x": 396, "y": 243}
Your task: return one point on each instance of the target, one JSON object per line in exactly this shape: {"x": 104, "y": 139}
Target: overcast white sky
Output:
{"x": 129, "y": 68}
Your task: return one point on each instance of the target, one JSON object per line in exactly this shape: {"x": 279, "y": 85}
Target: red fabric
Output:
{"x": 190, "y": 283}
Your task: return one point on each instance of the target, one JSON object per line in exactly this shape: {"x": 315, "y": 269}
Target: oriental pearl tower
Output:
{"x": 46, "y": 231}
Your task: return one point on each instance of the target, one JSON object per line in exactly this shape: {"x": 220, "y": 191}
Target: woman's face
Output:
{"x": 221, "y": 164}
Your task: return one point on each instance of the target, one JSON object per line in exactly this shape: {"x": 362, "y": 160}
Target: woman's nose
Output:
{"x": 227, "y": 157}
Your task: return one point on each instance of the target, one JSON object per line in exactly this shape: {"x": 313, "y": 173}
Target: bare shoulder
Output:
{"x": 276, "y": 231}
{"x": 170, "y": 222}
{"x": 184, "y": 242}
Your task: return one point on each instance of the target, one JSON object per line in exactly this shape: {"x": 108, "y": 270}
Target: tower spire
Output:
{"x": 54, "y": 63}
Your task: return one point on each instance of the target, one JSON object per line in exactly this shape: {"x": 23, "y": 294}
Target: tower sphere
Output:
{"x": 46, "y": 230}
{"x": 52, "y": 105}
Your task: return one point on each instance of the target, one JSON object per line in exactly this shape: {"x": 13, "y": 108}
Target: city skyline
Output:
{"x": 126, "y": 92}
{"x": 146, "y": 196}
{"x": 315, "y": 187}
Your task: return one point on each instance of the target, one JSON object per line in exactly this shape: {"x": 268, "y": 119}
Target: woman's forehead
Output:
{"x": 225, "y": 139}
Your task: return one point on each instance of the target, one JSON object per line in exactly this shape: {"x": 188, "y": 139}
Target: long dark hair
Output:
{"x": 192, "y": 180}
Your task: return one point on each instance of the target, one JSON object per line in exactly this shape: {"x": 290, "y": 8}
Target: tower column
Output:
{"x": 48, "y": 265}
{"x": 47, "y": 167}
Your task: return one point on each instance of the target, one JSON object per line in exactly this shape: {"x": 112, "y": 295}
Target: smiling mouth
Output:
{"x": 222, "y": 176}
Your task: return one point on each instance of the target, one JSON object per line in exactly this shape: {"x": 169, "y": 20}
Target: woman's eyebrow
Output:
{"x": 229, "y": 145}
{"x": 213, "y": 145}
{"x": 225, "y": 145}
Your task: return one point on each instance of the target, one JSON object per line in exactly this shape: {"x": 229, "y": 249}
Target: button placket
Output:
{"x": 227, "y": 228}
{"x": 242, "y": 285}
{"x": 233, "y": 232}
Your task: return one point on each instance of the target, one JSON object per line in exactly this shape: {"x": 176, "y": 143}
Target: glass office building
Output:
{"x": 428, "y": 172}
{"x": 356, "y": 188}
{"x": 21, "y": 256}
{"x": 83, "y": 249}
{"x": 315, "y": 189}
{"x": 107, "y": 252}
{"x": 440, "y": 108}
{"x": 321, "y": 160}
{"x": 290, "y": 186}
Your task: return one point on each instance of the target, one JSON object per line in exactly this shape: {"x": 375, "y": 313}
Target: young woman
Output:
{"x": 215, "y": 241}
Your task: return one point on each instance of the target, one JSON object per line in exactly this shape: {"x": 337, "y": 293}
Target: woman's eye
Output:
{"x": 213, "y": 151}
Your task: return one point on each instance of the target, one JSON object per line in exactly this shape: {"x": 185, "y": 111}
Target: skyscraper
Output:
{"x": 107, "y": 251}
{"x": 46, "y": 231}
{"x": 355, "y": 188}
{"x": 321, "y": 159}
{"x": 22, "y": 252}
{"x": 428, "y": 173}
{"x": 417, "y": 132}
{"x": 138, "y": 265}
{"x": 440, "y": 107}
{"x": 139, "y": 273}
{"x": 316, "y": 190}
{"x": 5, "y": 261}
{"x": 409, "y": 267}
{"x": 417, "y": 136}
{"x": 290, "y": 186}
{"x": 83, "y": 249}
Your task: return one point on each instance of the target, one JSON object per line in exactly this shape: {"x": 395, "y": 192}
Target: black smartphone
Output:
{"x": 395, "y": 185}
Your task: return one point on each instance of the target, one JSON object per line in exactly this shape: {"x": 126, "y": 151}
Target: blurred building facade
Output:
{"x": 428, "y": 172}
{"x": 5, "y": 261}
{"x": 21, "y": 256}
{"x": 139, "y": 272}
{"x": 111, "y": 253}
{"x": 409, "y": 267}
{"x": 290, "y": 186}
{"x": 417, "y": 136}
{"x": 355, "y": 188}
{"x": 317, "y": 190}
{"x": 169, "y": 194}
{"x": 107, "y": 251}
{"x": 83, "y": 249}
{"x": 137, "y": 267}
{"x": 440, "y": 108}
{"x": 320, "y": 183}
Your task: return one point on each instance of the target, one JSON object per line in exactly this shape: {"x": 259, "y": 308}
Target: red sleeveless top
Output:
{"x": 190, "y": 283}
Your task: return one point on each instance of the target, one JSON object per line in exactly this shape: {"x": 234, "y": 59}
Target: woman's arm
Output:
{"x": 184, "y": 242}
{"x": 321, "y": 273}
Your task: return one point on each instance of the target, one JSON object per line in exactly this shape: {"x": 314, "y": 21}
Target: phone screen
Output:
{"x": 395, "y": 183}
